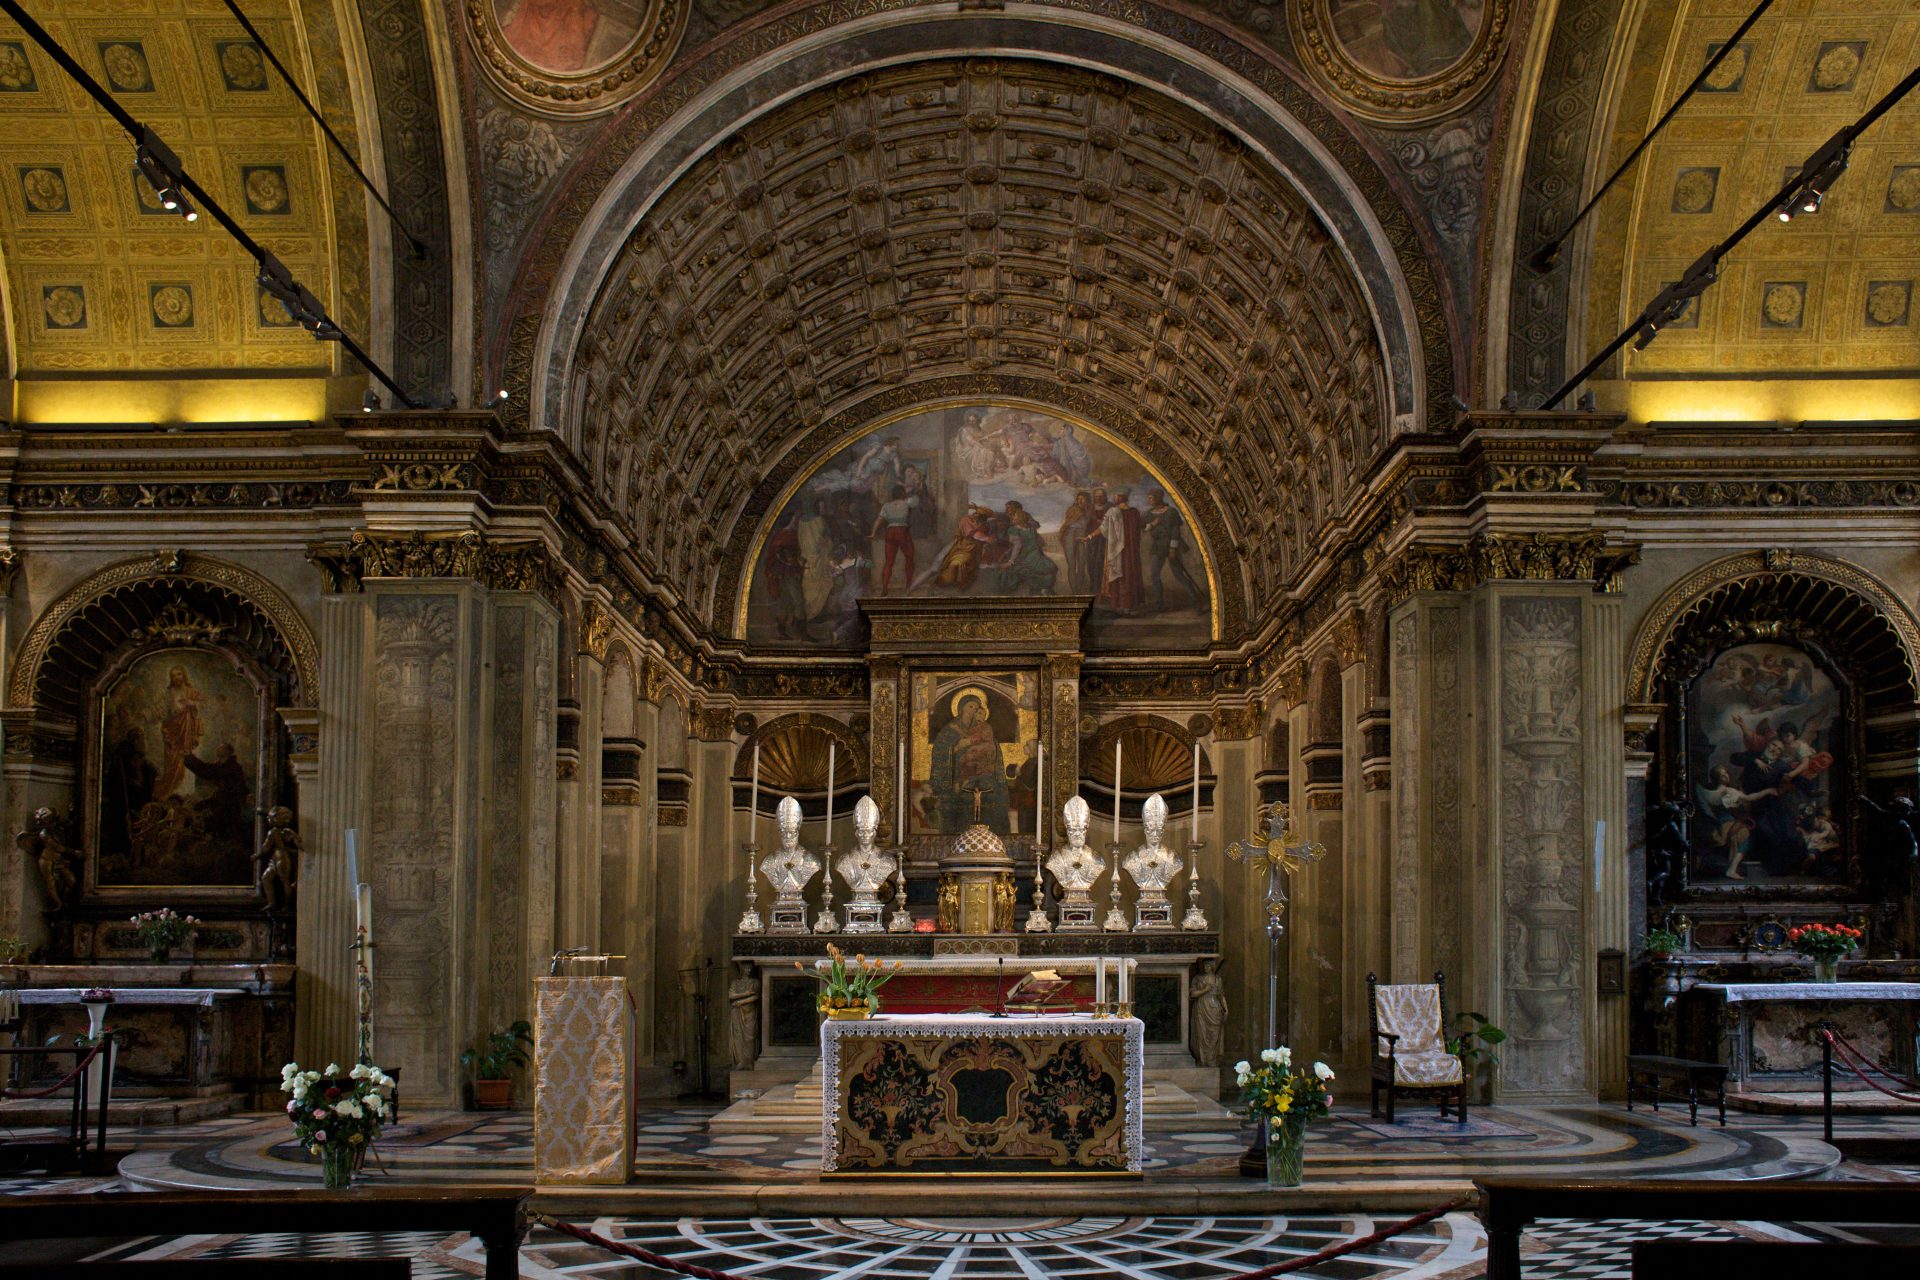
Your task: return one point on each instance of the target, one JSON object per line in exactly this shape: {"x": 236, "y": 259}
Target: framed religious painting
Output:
{"x": 575, "y": 57}
{"x": 183, "y": 760}
{"x": 973, "y": 752}
{"x": 1768, "y": 731}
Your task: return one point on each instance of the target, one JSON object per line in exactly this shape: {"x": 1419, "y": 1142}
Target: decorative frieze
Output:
{"x": 500, "y": 565}
{"x": 1528, "y": 557}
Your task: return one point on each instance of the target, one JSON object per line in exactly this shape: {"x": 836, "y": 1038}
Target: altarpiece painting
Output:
{"x": 1766, "y": 732}
{"x": 181, "y": 739}
{"x": 974, "y": 755}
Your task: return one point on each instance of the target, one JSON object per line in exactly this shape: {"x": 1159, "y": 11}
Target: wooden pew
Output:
{"x": 1509, "y": 1204}
{"x": 494, "y": 1215}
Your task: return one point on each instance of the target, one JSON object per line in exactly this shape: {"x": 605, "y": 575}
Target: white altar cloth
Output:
{"x": 1748, "y": 992}
{"x": 1052, "y": 1026}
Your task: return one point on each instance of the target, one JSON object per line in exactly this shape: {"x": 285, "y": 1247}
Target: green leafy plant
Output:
{"x": 502, "y": 1051}
{"x": 1474, "y": 1042}
{"x": 1662, "y": 941}
{"x": 13, "y": 950}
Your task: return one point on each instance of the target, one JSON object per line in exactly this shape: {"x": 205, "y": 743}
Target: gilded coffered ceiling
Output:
{"x": 1020, "y": 228}
{"x": 1828, "y": 292}
{"x": 100, "y": 278}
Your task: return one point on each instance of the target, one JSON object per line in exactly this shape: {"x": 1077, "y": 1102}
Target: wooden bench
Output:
{"x": 497, "y": 1216}
{"x": 1695, "y": 1078}
{"x": 1509, "y": 1204}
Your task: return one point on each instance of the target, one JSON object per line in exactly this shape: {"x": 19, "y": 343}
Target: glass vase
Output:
{"x": 1286, "y": 1151}
{"x": 336, "y": 1166}
{"x": 1826, "y": 968}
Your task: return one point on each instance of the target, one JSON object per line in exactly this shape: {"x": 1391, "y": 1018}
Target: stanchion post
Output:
{"x": 1826, "y": 1080}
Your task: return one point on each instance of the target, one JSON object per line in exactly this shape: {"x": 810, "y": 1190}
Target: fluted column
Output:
{"x": 1610, "y": 885}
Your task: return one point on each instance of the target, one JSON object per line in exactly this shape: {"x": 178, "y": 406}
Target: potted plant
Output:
{"x": 14, "y": 950}
{"x": 337, "y": 1117}
{"x": 163, "y": 930}
{"x": 493, "y": 1064}
{"x": 850, "y": 991}
{"x": 1824, "y": 944}
{"x": 1661, "y": 943}
{"x": 1473, "y": 1046}
{"x": 1282, "y": 1099}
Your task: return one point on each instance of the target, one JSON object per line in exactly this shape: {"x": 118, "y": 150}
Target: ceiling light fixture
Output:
{"x": 161, "y": 168}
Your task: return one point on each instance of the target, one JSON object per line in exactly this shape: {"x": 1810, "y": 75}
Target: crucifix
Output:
{"x": 1280, "y": 849}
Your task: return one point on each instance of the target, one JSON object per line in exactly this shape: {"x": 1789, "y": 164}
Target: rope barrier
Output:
{"x": 665, "y": 1263}
{"x": 16, "y": 1095}
{"x": 1839, "y": 1042}
{"x": 1879, "y": 1067}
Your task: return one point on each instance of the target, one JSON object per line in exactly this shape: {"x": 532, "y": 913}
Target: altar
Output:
{"x": 1766, "y": 1032}
{"x": 943, "y": 1094}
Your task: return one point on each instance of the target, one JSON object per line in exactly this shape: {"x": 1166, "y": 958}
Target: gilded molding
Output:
{"x": 163, "y": 567}
{"x": 658, "y": 27}
{"x": 1525, "y": 557}
{"x": 1395, "y": 101}
{"x": 499, "y": 565}
{"x": 596, "y": 629}
{"x": 1237, "y": 723}
{"x": 713, "y": 722}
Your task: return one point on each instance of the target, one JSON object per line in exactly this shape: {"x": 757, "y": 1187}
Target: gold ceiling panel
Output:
{"x": 986, "y": 218}
{"x": 101, "y": 279}
{"x": 1828, "y": 292}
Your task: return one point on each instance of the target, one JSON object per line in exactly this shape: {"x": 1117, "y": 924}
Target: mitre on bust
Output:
{"x": 1153, "y": 866}
{"x": 790, "y": 868}
{"x": 864, "y": 867}
{"x": 1076, "y": 867}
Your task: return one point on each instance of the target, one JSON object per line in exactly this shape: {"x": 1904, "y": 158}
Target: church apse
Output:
{"x": 982, "y": 500}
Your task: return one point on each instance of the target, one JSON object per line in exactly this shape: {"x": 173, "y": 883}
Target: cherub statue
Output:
{"x": 45, "y": 842}
{"x": 277, "y": 865}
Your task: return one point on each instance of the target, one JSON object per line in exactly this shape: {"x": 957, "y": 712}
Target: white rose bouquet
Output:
{"x": 1276, "y": 1090}
{"x": 337, "y": 1117}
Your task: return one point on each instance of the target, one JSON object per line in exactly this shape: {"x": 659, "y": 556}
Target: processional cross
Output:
{"x": 1280, "y": 849}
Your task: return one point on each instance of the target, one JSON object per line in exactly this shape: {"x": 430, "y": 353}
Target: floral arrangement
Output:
{"x": 1824, "y": 941}
{"x": 850, "y": 986}
{"x": 96, "y": 995}
{"x": 337, "y": 1117}
{"x": 1276, "y": 1092}
{"x": 163, "y": 930}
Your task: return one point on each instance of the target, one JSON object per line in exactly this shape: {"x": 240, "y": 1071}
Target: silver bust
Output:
{"x": 1152, "y": 868}
{"x": 789, "y": 869}
{"x": 1077, "y": 868}
{"x": 865, "y": 869}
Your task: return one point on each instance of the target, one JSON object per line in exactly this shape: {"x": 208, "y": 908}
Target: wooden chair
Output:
{"x": 1408, "y": 1026}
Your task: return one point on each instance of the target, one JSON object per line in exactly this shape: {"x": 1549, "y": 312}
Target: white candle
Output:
{"x": 1100, "y": 980}
{"x": 363, "y": 911}
{"x": 353, "y": 856}
{"x": 1116, "y": 791}
{"x": 1126, "y": 971}
{"x": 1039, "y": 787}
{"x": 900, "y": 798}
{"x": 1193, "y": 835}
{"x": 753, "y": 799}
{"x": 829, "y": 837}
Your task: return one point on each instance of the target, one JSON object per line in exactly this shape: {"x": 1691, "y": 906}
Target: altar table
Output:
{"x": 1766, "y": 1032}
{"x": 977, "y": 1094}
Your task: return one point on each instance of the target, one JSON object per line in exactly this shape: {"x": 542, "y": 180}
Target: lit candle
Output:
{"x": 1194, "y": 830}
{"x": 1039, "y": 786}
{"x": 753, "y": 798}
{"x": 829, "y": 839}
{"x": 1116, "y": 791}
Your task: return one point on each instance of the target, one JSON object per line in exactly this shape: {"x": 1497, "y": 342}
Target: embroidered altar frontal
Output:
{"x": 937, "y": 1094}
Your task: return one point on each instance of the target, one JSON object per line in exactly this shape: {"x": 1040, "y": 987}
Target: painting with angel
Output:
{"x": 1766, "y": 733}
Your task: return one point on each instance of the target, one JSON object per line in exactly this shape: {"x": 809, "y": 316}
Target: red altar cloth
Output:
{"x": 958, "y": 992}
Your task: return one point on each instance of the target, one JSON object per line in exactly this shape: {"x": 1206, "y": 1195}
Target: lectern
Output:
{"x": 583, "y": 1080}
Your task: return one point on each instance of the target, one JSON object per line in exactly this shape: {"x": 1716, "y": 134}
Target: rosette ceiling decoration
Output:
{"x": 965, "y": 229}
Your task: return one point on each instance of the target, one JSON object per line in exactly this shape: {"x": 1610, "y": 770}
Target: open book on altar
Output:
{"x": 1040, "y": 991}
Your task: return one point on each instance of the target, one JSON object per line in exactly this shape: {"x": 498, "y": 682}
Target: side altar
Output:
{"x": 940, "y": 1094}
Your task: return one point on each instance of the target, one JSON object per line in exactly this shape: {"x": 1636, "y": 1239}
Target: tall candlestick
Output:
{"x": 1194, "y": 829}
{"x": 753, "y": 799}
{"x": 1116, "y": 791}
{"x": 1039, "y": 787}
{"x": 829, "y": 836}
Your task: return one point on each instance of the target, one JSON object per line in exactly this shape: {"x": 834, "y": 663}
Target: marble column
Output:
{"x": 642, "y": 904}
{"x": 578, "y": 854}
{"x": 1611, "y": 884}
{"x": 1240, "y": 918}
{"x": 713, "y": 885}
{"x": 324, "y": 1009}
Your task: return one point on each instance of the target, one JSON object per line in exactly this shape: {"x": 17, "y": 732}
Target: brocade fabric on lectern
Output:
{"x": 583, "y": 1080}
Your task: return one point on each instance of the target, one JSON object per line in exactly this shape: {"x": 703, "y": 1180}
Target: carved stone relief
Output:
{"x": 1409, "y": 743}
{"x": 1541, "y": 792}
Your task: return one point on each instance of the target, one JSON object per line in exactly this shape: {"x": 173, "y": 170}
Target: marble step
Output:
{"x": 122, "y": 1113}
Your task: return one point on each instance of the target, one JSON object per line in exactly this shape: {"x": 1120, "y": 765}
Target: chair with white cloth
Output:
{"x": 1407, "y": 1023}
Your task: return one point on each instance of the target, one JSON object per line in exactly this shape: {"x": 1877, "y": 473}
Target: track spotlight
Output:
{"x": 1816, "y": 177}
{"x": 161, "y": 168}
{"x": 369, "y": 402}
{"x": 295, "y": 297}
{"x": 500, "y": 397}
{"x": 1672, "y": 302}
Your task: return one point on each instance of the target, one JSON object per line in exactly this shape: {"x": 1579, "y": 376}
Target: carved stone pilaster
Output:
{"x": 499, "y": 564}
{"x": 1061, "y": 729}
{"x": 713, "y": 722}
{"x": 884, "y": 703}
{"x": 1233, "y": 723}
{"x": 1524, "y": 557}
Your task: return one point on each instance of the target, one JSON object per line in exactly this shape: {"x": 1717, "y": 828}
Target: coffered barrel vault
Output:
{"x": 1003, "y": 224}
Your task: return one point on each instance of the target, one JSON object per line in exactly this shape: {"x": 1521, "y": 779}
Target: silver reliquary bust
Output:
{"x": 1077, "y": 868}
{"x": 865, "y": 869}
{"x": 789, "y": 869}
{"x": 1152, "y": 868}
